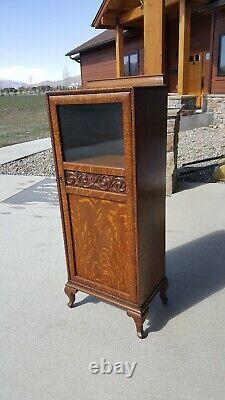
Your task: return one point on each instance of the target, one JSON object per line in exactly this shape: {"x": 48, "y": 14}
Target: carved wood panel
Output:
{"x": 101, "y": 243}
{"x": 106, "y": 183}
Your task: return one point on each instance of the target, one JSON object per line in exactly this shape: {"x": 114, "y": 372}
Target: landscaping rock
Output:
{"x": 195, "y": 145}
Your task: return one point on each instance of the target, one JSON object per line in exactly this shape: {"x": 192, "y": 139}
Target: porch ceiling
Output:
{"x": 129, "y": 13}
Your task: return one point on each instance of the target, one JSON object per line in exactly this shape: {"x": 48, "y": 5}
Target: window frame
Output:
{"x": 135, "y": 53}
{"x": 221, "y": 36}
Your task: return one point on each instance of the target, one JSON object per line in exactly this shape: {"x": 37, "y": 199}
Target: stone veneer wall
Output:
{"x": 184, "y": 102}
{"x": 176, "y": 105}
{"x": 173, "y": 128}
{"x": 215, "y": 103}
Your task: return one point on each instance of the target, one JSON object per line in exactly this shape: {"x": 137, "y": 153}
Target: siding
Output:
{"x": 100, "y": 63}
{"x": 218, "y": 82}
{"x": 172, "y": 38}
{"x": 200, "y": 33}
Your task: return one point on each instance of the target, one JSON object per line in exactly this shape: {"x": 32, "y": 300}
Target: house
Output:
{"x": 182, "y": 39}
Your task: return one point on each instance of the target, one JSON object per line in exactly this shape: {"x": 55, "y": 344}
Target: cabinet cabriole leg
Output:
{"x": 139, "y": 321}
{"x": 71, "y": 295}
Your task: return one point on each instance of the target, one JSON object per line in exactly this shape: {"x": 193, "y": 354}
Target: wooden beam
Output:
{"x": 184, "y": 46}
{"x": 131, "y": 15}
{"x": 119, "y": 52}
{"x": 171, "y": 2}
{"x": 108, "y": 21}
{"x": 154, "y": 46}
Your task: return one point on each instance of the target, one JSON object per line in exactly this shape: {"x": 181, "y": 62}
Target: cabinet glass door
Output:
{"x": 92, "y": 133}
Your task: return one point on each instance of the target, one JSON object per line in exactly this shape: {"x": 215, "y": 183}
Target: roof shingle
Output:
{"x": 107, "y": 36}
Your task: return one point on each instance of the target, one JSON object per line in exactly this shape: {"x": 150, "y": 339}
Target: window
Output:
{"x": 221, "y": 66}
{"x": 131, "y": 65}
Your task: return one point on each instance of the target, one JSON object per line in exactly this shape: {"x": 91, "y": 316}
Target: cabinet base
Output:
{"x": 138, "y": 314}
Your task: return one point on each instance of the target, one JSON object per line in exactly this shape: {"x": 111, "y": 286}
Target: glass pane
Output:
{"x": 126, "y": 66}
{"x": 133, "y": 64}
{"x": 92, "y": 133}
{"x": 222, "y": 56}
{"x": 207, "y": 56}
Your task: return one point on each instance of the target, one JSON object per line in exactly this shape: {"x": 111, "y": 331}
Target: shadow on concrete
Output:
{"x": 44, "y": 191}
{"x": 87, "y": 300}
{"x": 195, "y": 271}
{"x": 182, "y": 186}
{"x": 196, "y": 175}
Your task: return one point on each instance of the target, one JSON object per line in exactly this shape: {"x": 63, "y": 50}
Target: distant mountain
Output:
{"x": 10, "y": 84}
{"x": 76, "y": 80}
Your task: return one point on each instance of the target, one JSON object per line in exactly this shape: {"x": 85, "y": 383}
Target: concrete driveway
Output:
{"x": 46, "y": 348}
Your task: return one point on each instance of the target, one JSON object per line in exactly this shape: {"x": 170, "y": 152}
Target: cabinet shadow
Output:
{"x": 195, "y": 271}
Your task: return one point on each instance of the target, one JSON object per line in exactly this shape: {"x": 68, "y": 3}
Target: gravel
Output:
{"x": 198, "y": 145}
{"x": 194, "y": 145}
{"x": 40, "y": 164}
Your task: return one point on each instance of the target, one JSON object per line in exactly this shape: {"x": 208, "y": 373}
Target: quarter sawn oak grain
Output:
{"x": 113, "y": 216}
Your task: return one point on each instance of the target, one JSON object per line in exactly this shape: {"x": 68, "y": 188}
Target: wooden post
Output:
{"x": 212, "y": 40}
{"x": 184, "y": 46}
{"x": 119, "y": 52}
{"x": 154, "y": 47}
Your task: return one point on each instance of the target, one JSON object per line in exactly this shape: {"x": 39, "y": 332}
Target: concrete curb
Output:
{"x": 21, "y": 150}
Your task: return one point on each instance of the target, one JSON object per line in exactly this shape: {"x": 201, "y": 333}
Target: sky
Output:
{"x": 36, "y": 35}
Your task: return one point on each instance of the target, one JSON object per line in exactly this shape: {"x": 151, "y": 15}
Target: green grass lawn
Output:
{"x": 22, "y": 118}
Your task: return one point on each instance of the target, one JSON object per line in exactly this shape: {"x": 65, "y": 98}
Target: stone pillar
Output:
{"x": 173, "y": 128}
{"x": 177, "y": 105}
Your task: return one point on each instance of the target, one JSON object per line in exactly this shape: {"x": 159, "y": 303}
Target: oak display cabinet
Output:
{"x": 110, "y": 158}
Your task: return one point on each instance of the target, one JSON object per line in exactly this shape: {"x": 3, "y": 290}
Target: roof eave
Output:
{"x": 73, "y": 52}
{"x": 97, "y": 20}
{"x": 211, "y": 6}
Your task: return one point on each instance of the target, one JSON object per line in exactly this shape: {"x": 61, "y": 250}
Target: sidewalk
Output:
{"x": 12, "y": 153}
{"x": 46, "y": 348}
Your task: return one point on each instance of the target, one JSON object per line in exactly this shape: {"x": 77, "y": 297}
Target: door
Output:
{"x": 198, "y": 79}
{"x": 206, "y": 72}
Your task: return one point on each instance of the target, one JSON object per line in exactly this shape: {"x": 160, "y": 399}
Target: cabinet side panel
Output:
{"x": 150, "y": 106}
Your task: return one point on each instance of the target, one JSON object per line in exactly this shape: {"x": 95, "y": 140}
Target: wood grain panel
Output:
{"x": 154, "y": 43}
{"x": 128, "y": 81}
{"x": 151, "y": 139}
{"x": 101, "y": 244}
